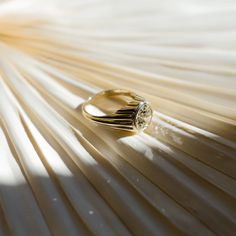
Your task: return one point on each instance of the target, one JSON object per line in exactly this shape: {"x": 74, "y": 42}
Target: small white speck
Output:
{"x": 163, "y": 210}
{"x": 108, "y": 181}
{"x": 91, "y": 212}
{"x": 148, "y": 153}
{"x": 54, "y": 199}
{"x": 176, "y": 139}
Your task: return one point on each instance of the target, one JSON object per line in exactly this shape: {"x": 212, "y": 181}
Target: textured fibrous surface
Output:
{"x": 63, "y": 175}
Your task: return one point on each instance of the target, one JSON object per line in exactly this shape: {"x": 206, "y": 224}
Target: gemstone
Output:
{"x": 143, "y": 116}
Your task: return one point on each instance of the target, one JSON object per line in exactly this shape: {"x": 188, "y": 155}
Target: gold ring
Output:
{"x": 119, "y": 109}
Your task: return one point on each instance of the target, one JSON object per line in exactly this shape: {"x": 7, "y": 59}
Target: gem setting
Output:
{"x": 143, "y": 116}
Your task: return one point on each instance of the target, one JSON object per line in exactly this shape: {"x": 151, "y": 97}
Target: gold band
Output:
{"x": 135, "y": 113}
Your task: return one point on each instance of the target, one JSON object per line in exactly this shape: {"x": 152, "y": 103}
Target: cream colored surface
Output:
{"x": 61, "y": 174}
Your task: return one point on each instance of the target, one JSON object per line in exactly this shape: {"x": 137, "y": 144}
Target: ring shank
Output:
{"x": 123, "y": 118}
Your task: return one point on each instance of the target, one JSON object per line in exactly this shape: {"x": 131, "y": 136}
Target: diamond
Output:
{"x": 143, "y": 116}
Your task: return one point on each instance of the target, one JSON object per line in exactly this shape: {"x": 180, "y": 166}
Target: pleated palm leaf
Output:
{"x": 61, "y": 174}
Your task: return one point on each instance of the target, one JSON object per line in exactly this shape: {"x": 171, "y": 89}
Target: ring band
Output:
{"x": 135, "y": 114}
